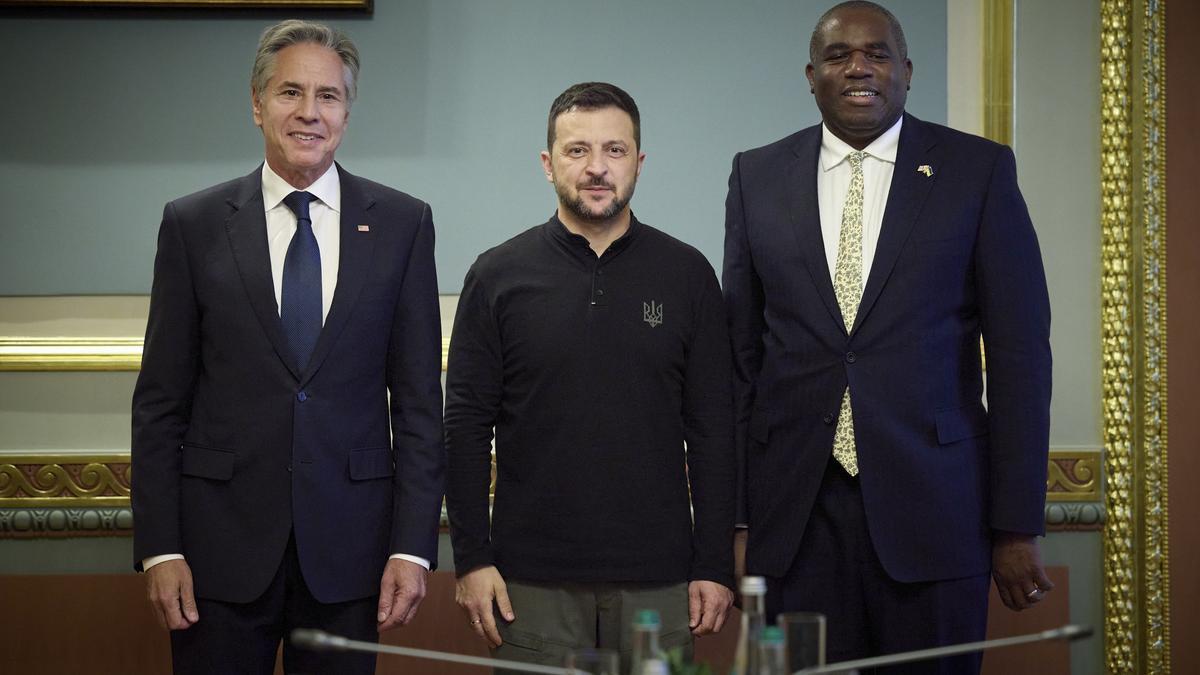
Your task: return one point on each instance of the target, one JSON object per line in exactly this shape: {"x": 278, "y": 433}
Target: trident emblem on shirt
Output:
{"x": 652, "y": 313}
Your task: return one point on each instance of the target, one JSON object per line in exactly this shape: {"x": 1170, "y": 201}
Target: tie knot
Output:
{"x": 855, "y": 158}
{"x": 298, "y": 203}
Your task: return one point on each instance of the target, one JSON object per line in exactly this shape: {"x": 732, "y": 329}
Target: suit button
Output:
{"x": 850, "y": 357}
{"x": 827, "y": 419}
{"x": 302, "y": 397}
{"x": 289, "y": 468}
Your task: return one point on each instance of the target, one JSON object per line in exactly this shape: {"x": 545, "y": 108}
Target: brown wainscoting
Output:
{"x": 101, "y": 625}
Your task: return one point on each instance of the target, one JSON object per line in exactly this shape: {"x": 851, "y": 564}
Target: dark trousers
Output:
{"x": 242, "y": 639}
{"x": 837, "y": 573}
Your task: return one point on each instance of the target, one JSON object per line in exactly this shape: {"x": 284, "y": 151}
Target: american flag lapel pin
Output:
{"x": 925, "y": 169}
{"x": 364, "y": 228}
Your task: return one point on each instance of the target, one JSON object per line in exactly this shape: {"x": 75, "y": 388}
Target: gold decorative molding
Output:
{"x": 64, "y": 480}
{"x": 1074, "y": 476}
{"x": 56, "y": 354}
{"x": 70, "y": 354}
{"x": 1133, "y": 332}
{"x": 998, "y": 70}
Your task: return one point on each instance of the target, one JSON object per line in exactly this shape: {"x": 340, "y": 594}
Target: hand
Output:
{"x": 400, "y": 593}
{"x": 1017, "y": 570}
{"x": 708, "y": 605}
{"x": 475, "y": 592}
{"x": 169, "y": 589}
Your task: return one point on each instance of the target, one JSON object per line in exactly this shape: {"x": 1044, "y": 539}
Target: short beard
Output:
{"x": 579, "y": 209}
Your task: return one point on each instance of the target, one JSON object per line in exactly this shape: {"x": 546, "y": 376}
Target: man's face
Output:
{"x": 594, "y": 164}
{"x": 303, "y": 112}
{"x": 858, "y": 78}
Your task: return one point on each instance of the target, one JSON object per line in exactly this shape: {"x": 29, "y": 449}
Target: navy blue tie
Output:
{"x": 300, "y": 305}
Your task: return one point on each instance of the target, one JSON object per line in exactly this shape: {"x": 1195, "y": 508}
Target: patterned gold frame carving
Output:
{"x": 1074, "y": 476}
{"x": 85, "y": 354}
{"x": 64, "y": 480}
{"x": 1133, "y": 331}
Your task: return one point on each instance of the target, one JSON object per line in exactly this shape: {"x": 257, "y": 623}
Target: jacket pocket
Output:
{"x": 956, "y": 424}
{"x": 207, "y": 462}
{"x": 368, "y": 463}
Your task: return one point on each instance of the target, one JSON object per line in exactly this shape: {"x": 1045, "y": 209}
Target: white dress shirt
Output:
{"x": 833, "y": 181}
{"x": 325, "y": 212}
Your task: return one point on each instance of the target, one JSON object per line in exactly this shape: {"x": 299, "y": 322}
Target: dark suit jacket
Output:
{"x": 957, "y": 257}
{"x": 233, "y": 449}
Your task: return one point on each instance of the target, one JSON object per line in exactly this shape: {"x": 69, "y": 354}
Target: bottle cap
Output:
{"x": 772, "y": 635}
{"x": 647, "y": 618}
{"x": 754, "y": 585}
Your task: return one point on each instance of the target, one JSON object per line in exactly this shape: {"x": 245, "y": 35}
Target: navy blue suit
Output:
{"x": 236, "y": 452}
{"x": 957, "y": 258}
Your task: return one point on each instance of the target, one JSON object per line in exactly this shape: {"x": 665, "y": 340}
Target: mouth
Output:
{"x": 305, "y": 137}
{"x": 860, "y": 95}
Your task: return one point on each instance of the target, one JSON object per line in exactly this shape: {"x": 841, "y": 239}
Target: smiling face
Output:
{"x": 858, "y": 76}
{"x": 302, "y": 112}
{"x": 594, "y": 165}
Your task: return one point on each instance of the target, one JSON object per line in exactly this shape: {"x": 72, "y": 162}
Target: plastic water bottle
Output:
{"x": 646, "y": 626}
{"x": 772, "y": 652}
{"x": 746, "y": 658}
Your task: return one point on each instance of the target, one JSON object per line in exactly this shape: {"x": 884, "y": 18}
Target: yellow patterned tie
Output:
{"x": 848, "y": 286}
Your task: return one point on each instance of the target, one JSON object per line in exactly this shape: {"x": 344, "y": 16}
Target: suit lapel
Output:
{"x": 354, "y": 265}
{"x": 906, "y": 197}
{"x": 806, "y": 217}
{"x": 247, "y": 232}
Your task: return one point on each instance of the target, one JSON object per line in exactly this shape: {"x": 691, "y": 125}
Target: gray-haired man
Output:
{"x": 276, "y": 486}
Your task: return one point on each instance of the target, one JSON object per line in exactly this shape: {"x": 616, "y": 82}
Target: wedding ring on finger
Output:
{"x": 1034, "y": 595}
{"x": 476, "y": 622}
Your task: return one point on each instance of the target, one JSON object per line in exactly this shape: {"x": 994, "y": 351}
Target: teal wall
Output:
{"x": 111, "y": 113}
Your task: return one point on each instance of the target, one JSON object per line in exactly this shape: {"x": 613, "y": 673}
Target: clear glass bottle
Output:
{"x": 754, "y": 618}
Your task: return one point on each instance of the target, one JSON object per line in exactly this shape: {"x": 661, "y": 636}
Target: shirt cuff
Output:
{"x": 410, "y": 558}
{"x": 153, "y": 560}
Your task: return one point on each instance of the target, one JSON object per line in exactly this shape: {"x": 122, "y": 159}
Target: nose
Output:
{"x": 857, "y": 65}
{"x": 307, "y": 109}
{"x": 596, "y": 164}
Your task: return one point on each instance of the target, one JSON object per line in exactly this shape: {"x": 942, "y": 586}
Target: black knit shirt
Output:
{"x": 593, "y": 371}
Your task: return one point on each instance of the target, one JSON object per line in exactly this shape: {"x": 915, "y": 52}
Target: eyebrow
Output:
{"x": 843, "y": 46}
{"x": 320, "y": 90}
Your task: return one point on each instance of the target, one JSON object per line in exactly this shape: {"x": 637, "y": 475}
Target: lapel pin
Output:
{"x": 925, "y": 169}
{"x": 364, "y": 228}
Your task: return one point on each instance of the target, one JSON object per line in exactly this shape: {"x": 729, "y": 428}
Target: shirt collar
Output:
{"x": 578, "y": 244}
{"x": 834, "y": 149}
{"x": 327, "y": 188}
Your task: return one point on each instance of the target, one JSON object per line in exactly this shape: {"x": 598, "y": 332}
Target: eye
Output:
{"x": 292, "y": 93}
{"x": 576, "y": 151}
{"x": 617, "y": 151}
{"x": 879, "y": 56}
{"x": 330, "y": 97}
{"x": 834, "y": 57}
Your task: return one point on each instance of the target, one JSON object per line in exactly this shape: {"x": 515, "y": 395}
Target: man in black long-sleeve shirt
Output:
{"x": 595, "y": 346}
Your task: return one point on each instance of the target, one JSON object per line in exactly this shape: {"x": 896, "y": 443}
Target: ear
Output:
{"x": 808, "y": 72}
{"x": 641, "y": 160}
{"x": 908, "y": 73}
{"x": 547, "y": 167}
{"x": 255, "y": 108}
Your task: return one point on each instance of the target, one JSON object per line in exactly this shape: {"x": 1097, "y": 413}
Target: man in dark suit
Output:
{"x": 277, "y": 485}
{"x": 864, "y": 259}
